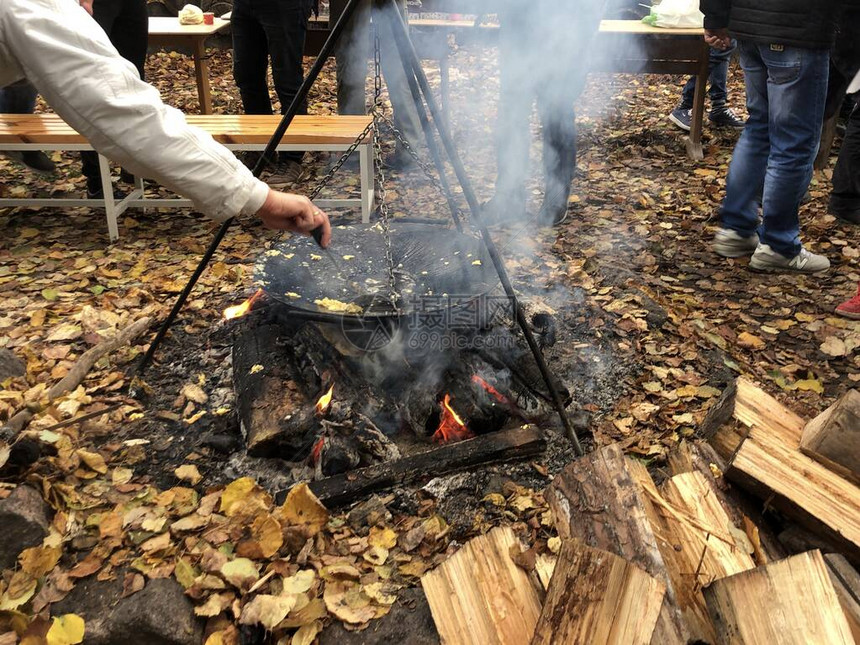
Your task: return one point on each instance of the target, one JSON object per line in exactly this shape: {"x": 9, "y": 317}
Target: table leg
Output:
{"x": 694, "y": 141}
{"x": 201, "y": 70}
{"x": 110, "y": 203}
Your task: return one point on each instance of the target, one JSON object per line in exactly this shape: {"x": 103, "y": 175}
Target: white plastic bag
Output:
{"x": 190, "y": 15}
{"x": 677, "y": 14}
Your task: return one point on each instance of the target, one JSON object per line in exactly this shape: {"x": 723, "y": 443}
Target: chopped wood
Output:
{"x": 597, "y": 500}
{"x": 505, "y": 445}
{"x": 833, "y": 437}
{"x": 544, "y": 567}
{"x": 82, "y": 367}
{"x": 790, "y": 602}
{"x": 479, "y": 595}
{"x": 846, "y": 582}
{"x": 598, "y": 598}
{"x": 768, "y": 462}
{"x": 702, "y": 550}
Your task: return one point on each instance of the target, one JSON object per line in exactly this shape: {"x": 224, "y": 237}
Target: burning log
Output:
{"x": 506, "y": 445}
{"x": 451, "y": 426}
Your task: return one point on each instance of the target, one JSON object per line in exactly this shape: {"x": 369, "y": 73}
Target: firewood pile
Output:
{"x": 682, "y": 561}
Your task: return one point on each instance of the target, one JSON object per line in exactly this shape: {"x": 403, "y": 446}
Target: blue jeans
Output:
{"x": 18, "y": 98}
{"x": 718, "y": 74}
{"x": 772, "y": 162}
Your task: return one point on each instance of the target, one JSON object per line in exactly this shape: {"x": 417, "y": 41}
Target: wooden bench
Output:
{"x": 236, "y": 132}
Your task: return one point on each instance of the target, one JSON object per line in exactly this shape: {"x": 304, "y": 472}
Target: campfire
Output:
{"x": 237, "y": 311}
{"x": 451, "y": 426}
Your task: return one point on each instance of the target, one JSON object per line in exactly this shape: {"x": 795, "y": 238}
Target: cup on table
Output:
{"x": 208, "y": 18}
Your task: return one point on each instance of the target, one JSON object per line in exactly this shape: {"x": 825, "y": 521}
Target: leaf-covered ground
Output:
{"x": 654, "y": 325}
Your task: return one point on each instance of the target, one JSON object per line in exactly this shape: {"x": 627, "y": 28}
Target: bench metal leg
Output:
{"x": 110, "y": 204}
{"x": 365, "y": 159}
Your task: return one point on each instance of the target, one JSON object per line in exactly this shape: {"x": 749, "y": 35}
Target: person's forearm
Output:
{"x": 69, "y": 59}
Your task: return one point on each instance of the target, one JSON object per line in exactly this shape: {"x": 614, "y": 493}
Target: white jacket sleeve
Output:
{"x": 66, "y": 55}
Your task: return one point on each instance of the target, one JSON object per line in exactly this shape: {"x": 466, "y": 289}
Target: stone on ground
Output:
{"x": 24, "y": 522}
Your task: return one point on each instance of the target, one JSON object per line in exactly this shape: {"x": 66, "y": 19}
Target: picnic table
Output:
{"x": 167, "y": 32}
{"x": 638, "y": 48}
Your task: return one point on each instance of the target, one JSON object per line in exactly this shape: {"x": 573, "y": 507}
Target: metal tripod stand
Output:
{"x": 424, "y": 102}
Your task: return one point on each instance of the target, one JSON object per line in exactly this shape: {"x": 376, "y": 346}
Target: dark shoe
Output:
{"x": 35, "y": 160}
{"x": 94, "y": 191}
{"x": 126, "y": 177}
{"x": 852, "y": 216}
{"x": 503, "y": 210}
{"x": 724, "y": 117}
{"x": 284, "y": 173}
{"x": 552, "y": 215}
{"x": 682, "y": 117}
{"x": 250, "y": 159}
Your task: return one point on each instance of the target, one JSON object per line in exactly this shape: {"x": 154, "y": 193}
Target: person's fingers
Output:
{"x": 321, "y": 220}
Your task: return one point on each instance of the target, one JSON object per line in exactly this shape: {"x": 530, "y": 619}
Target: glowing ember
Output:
{"x": 237, "y": 311}
{"x": 501, "y": 398}
{"x": 451, "y": 426}
{"x": 317, "y": 450}
{"x": 325, "y": 400}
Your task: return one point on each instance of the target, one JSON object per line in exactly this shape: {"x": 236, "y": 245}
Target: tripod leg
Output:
{"x": 407, "y": 51}
{"x": 288, "y": 117}
{"x": 426, "y": 125}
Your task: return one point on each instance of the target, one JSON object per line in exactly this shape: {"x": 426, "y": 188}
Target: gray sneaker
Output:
{"x": 731, "y": 244}
{"x": 766, "y": 259}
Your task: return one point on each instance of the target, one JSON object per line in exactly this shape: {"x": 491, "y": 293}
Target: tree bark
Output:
{"x": 833, "y": 437}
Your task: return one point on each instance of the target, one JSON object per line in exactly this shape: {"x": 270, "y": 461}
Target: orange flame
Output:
{"x": 237, "y": 311}
{"x": 451, "y": 426}
{"x": 325, "y": 400}
{"x": 501, "y": 398}
{"x": 316, "y": 451}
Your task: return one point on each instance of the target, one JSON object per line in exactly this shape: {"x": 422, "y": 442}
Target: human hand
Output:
{"x": 87, "y": 5}
{"x": 296, "y": 213}
{"x": 718, "y": 38}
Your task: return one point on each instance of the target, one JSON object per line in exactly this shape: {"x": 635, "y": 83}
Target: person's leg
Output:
{"x": 105, "y": 12}
{"x": 20, "y": 98}
{"x": 718, "y": 76}
{"x": 130, "y": 32}
{"x": 797, "y": 89}
{"x": 845, "y": 197}
{"x": 351, "y": 58}
{"x": 250, "y": 58}
{"x": 559, "y": 155}
{"x": 739, "y": 212}
{"x": 405, "y": 115}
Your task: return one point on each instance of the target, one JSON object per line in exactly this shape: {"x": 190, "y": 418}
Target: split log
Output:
{"x": 597, "y": 500}
{"x": 598, "y": 598}
{"x": 846, "y": 582}
{"x": 82, "y": 367}
{"x": 479, "y": 595}
{"x": 833, "y": 437}
{"x": 768, "y": 462}
{"x": 790, "y": 602}
{"x": 502, "y": 446}
{"x": 702, "y": 546}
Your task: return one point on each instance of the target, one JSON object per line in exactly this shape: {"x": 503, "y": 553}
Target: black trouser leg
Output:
{"x": 559, "y": 150}
{"x": 845, "y": 198}
{"x": 126, "y": 23}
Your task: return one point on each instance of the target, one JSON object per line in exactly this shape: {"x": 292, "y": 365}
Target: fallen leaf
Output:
{"x": 194, "y": 392}
{"x": 67, "y": 629}
{"x": 382, "y": 537}
{"x": 188, "y": 473}
{"x": 302, "y": 508}
{"x": 833, "y": 346}
{"x": 39, "y": 560}
{"x": 267, "y": 610}
{"x": 300, "y": 582}
{"x": 746, "y": 339}
{"x": 240, "y": 572}
{"x": 307, "y": 634}
{"x": 93, "y": 460}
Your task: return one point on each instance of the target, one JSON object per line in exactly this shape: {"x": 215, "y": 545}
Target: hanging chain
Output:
{"x": 337, "y": 166}
{"x": 384, "y": 219}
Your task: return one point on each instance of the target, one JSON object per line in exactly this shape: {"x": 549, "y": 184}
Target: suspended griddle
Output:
{"x": 434, "y": 269}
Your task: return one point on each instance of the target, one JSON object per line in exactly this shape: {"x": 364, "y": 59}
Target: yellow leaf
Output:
{"x": 241, "y": 572}
{"x": 93, "y": 460}
{"x": 347, "y": 602}
{"x": 234, "y": 495}
{"x": 339, "y": 570}
{"x": 382, "y": 537}
{"x": 268, "y": 534}
{"x": 746, "y": 339}
{"x": 194, "y": 392}
{"x": 376, "y": 555}
{"x": 302, "y": 508}
{"x": 307, "y": 634}
{"x": 301, "y": 582}
{"x": 67, "y": 629}
{"x": 188, "y": 473}
{"x": 267, "y": 610}
{"x": 381, "y": 592}
{"x": 39, "y": 560}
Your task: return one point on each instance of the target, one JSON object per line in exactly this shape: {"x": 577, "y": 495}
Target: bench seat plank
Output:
{"x": 50, "y": 129}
